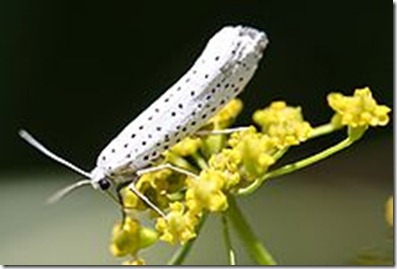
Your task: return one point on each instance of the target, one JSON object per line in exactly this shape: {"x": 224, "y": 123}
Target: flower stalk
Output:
{"x": 253, "y": 245}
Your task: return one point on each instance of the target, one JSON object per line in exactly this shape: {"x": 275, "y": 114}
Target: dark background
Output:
{"x": 74, "y": 73}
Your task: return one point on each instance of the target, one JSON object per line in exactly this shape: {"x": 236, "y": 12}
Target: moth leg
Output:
{"x": 166, "y": 166}
{"x": 146, "y": 200}
{"x": 121, "y": 202}
{"x": 220, "y": 132}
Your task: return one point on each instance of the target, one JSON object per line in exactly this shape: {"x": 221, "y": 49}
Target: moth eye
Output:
{"x": 104, "y": 184}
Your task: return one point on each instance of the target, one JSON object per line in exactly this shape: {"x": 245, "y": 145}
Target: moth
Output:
{"x": 221, "y": 72}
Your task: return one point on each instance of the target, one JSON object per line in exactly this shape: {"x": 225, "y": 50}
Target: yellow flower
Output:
{"x": 130, "y": 237}
{"x": 389, "y": 211}
{"x": 284, "y": 123}
{"x": 187, "y": 146}
{"x": 228, "y": 162}
{"x": 178, "y": 226}
{"x": 360, "y": 110}
{"x": 227, "y": 115}
{"x": 156, "y": 186}
{"x": 206, "y": 192}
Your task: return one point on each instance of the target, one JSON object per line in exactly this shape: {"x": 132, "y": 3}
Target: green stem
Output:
{"x": 323, "y": 130}
{"x": 201, "y": 162}
{"x": 228, "y": 241}
{"x": 180, "y": 255}
{"x": 298, "y": 165}
{"x": 254, "y": 247}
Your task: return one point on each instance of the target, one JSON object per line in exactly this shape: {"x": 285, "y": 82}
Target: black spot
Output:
{"x": 222, "y": 102}
{"x": 178, "y": 140}
{"x": 150, "y": 118}
{"x": 113, "y": 150}
{"x": 141, "y": 127}
{"x": 226, "y": 85}
{"x": 194, "y": 71}
{"x": 178, "y": 89}
{"x": 216, "y": 58}
{"x": 143, "y": 143}
{"x": 158, "y": 128}
{"x": 206, "y": 76}
{"x": 158, "y": 144}
{"x": 126, "y": 145}
{"x": 154, "y": 153}
{"x": 180, "y": 106}
{"x": 104, "y": 184}
{"x": 236, "y": 89}
{"x": 232, "y": 85}
{"x": 104, "y": 158}
{"x": 193, "y": 123}
{"x": 213, "y": 90}
{"x": 128, "y": 156}
{"x": 218, "y": 85}
{"x": 149, "y": 135}
{"x": 192, "y": 93}
{"x": 178, "y": 127}
{"x": 173, "y": 114}
{"x": 200, "y": 105}
{"x": 133, "y": 135}
{"x": 204, "y": 116}
{"x": 166, "y": 138}
{"x": 184, "y": 129}
{"x": 166, "y": 100}
{"x": 187, "y": 80}
{"x": 157, "y": 110}
{"x": 208, "y": 97}
{"x": 240, "y": 79}
{"x": 233, "y": 51}
{"x": 166, "y": 147}
{"x": 146, "y": 157}
{"x": 213, "y": 109}
{"x": 194, "y": 113}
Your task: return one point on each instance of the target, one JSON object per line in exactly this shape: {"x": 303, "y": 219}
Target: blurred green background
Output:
{"x": 75, "y": 73}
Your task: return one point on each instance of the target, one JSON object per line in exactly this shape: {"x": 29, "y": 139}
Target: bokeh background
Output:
{"x": 75, "y": 73}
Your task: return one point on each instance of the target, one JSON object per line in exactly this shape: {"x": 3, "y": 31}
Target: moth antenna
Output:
{"x": 36, "y": 144}
{"x": 63, "y": 192}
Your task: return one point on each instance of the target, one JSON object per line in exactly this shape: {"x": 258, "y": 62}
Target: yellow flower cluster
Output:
{"x": 227, "y": 115}
{"x": 360, "y": 110}
{"x": 129, "y": 237}
{"x": 225, "y": 164}
{"x": 206, "y": 192}
{"x": 178, "y": 226}
{"x": 255, "y": 151}
{"x": 186, "y": 147}
{"x": 155, "y": 186}
{"x": 283, "y": 123}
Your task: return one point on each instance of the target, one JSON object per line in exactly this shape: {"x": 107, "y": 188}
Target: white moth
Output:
{"x": 226, "y": 65}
